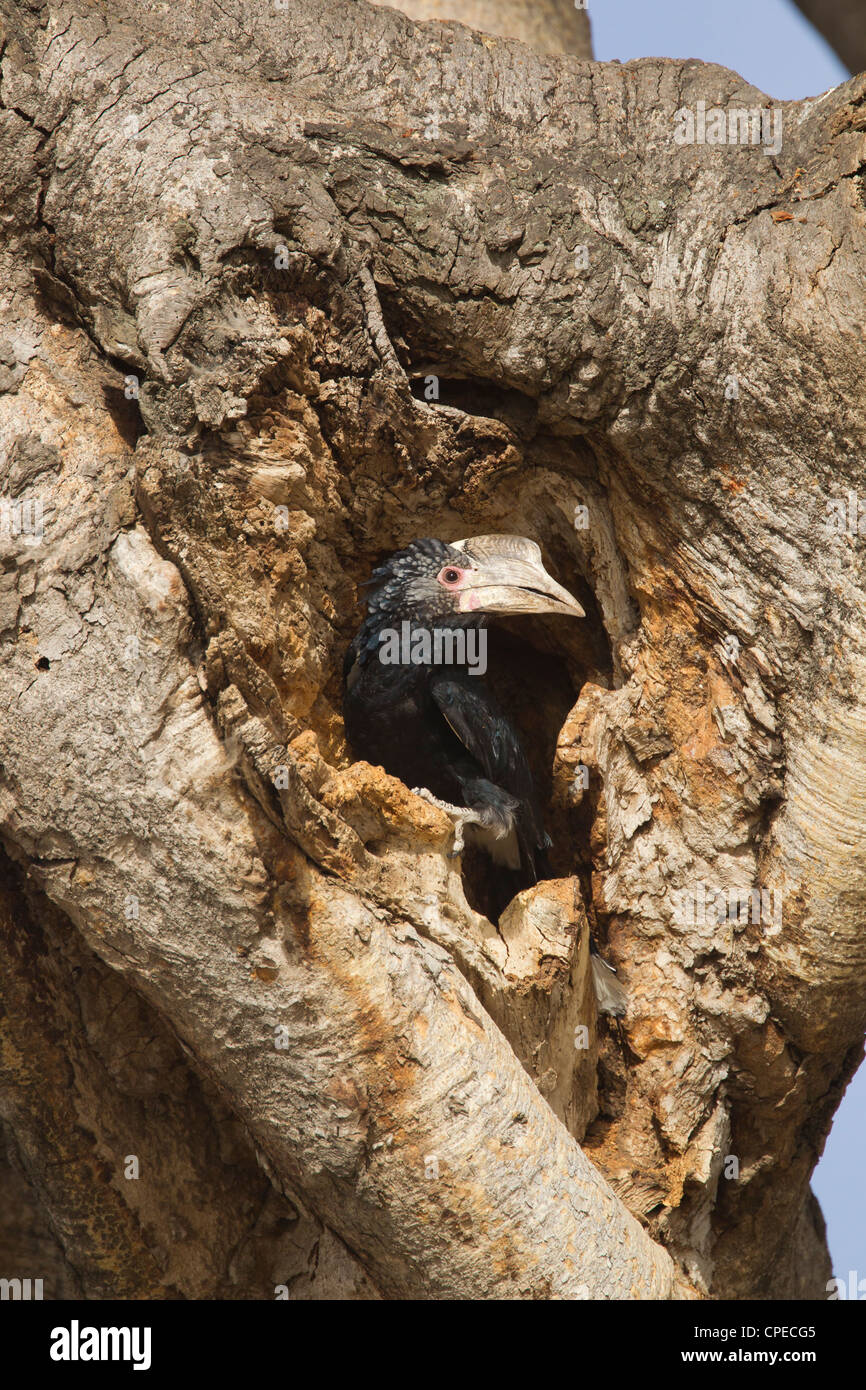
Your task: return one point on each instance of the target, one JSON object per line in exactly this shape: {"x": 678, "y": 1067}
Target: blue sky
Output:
{"x": 770, "y": 44}
{"x": 838, "y": 1182}
{"x": 766, "y": 41}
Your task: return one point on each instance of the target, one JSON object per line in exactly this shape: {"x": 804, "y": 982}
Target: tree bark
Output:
{"x": 239, "y": 243}
{"x": 551, "y": 26}
{"x": 843, "y": 25}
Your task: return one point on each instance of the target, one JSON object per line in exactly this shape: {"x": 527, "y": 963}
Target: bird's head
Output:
{"x": 460, "y": 583}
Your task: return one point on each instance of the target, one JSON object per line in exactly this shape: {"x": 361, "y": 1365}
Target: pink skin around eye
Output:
{"x": 469, "y": 600}
{"x": 451, "y": 583}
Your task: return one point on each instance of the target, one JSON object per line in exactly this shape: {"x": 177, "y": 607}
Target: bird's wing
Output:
{"x": 492, "y": 740}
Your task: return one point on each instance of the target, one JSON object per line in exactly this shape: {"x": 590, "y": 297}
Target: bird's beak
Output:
{"x": 509, "y": 577}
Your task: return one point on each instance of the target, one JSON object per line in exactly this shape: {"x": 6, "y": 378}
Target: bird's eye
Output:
{"x": 450, "y": 577}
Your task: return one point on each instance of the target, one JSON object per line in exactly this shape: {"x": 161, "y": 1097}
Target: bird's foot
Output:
{"x": 460, "y": 815}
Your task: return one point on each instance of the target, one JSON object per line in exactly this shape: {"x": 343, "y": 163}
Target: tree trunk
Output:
{"x": 283, "y": 288}
{"x": 843, "y": 25}
{"x": 551, "y": 26}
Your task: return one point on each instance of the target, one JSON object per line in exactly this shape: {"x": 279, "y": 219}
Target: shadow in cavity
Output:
{"x": 537, "y": 684}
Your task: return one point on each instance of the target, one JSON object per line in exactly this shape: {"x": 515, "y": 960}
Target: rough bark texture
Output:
{"x": 551, "y": 26}
{"x": 281, "y": 223}
{"x": 92, "y": 1078}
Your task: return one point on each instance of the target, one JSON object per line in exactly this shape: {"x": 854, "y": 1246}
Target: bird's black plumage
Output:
{"x": 435, "y": 724}
{"x": 438, "y": 726}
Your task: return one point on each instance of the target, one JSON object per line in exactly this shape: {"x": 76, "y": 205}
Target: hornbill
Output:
{"x": 416, "y": 703}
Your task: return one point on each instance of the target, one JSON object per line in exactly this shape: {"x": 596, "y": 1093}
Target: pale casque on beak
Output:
{"x": 509, "y": 577}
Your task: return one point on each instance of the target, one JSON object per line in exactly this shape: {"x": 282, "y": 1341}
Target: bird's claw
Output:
{"x": 458, "y": 814}
{"x": 459, "y": 843}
